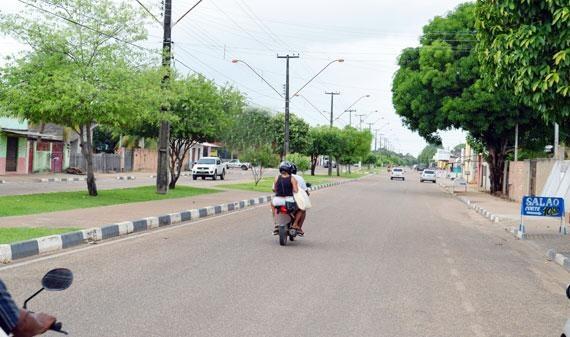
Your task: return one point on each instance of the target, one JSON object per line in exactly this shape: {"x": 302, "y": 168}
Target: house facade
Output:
{"x": 13, "y": 146}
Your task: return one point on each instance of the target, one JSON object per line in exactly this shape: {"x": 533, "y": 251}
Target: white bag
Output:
{"x": 302, "y": 200}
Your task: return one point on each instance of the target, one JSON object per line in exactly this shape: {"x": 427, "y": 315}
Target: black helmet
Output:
{"x": 285, "y": 167}
{"x": 293, "y": 169}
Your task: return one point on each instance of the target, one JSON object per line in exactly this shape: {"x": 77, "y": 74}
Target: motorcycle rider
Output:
{"x": 20, "y": 322}
{"x": 284, "y": 186}
{"x": 303, "y": 186}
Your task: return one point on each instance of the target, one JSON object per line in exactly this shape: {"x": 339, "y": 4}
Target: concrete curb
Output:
{"x": 60, "y": 180}
{"x": 560, "y": 259}
{"x": 2, "y": 181}
{"x": 126, "y": 177}
{"x": 487, "y": 214}
{"x": 48, "y": 244}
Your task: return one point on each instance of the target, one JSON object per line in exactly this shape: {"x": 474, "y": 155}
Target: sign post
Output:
{"x": 552, "y": 207}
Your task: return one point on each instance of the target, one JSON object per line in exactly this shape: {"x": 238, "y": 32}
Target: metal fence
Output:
{"x": 102, "y": 162}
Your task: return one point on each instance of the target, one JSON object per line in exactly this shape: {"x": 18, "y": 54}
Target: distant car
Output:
{"x": 326, "y": 164}
{"x": 209, "y": 167}
{"x": 236, "y": 163}
{"x": 427, "y": 175}
{"x": 397, "y": 173}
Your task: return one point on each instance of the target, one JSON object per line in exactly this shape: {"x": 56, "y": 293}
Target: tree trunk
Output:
{"x": 337, "y": 167}
{"x": 496, "y": 161}
{"x": 313, "y": 164}
{"x": 178, "y": 151}
{"x": 87, "y": 152}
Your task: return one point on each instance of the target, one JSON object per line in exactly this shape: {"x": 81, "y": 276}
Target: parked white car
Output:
{"x": 209, "y": 167}
{"x": 236, "y": 163}
{"x": 397, "y": 173}
{"x": 428, "y": 175}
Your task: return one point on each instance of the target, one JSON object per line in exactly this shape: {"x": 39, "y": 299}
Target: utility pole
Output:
{"x": 376, "y": 139}
{"x": 333, "y": 94}
{"x": 164, "y": 132}
{"x": 370, "y": 127}
{"x": 287, "y": 99}
{"x": 350, "y": 111}
{"x": 360, "y": 121}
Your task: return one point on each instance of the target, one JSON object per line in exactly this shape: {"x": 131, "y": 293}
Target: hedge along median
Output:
{"x": 62, "y": 201}
{"x": 48, "y": 244}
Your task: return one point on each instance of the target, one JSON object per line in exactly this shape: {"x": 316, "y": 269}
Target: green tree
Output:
{"x": 370, "y": 160}
{"x": 302, "y": 162}
{"x": 318, "y": 145}
{"x": 200, "y": 115}
{"x": 427, "y": 154}
{"x": 260, "y": 158}
{"x": 298, "y": 133}
{"x": 524, "y": 48}
{"x": 76, "y": 75}
{"x": 249, "y": 129}
{"x": 439, "y": 86}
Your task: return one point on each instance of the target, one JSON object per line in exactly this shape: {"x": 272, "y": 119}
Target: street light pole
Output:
{"x": 353, "y": 104}
{"x": 287, "y": 90}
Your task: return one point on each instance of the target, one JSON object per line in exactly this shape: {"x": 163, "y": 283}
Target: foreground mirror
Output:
{"x": 57, "y": 279}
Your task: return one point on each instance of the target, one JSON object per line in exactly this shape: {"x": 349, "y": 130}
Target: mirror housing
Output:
{"x": 57, "y": 279}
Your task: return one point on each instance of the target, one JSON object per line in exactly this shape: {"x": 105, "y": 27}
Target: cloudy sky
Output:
{"x": 368, "y": 34}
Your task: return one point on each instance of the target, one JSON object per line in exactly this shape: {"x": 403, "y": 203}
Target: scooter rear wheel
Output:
{"x": 282, "y": 235}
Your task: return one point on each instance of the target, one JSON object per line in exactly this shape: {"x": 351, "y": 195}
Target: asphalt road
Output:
{"x": 380, "y": 258}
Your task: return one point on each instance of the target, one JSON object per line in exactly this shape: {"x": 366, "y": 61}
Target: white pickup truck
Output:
{"x": 235, "y": 163}
{"x": 209, "y": 167}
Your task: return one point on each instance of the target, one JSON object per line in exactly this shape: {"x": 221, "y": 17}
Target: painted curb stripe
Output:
{"x": 164, "y": 220}
{"x": 24, "y": 249}
{"x": 71, "y": 239}
{"x": 140, "y": 225}
{"x": 109, "y": 231}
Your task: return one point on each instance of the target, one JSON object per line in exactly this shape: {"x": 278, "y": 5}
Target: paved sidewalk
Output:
{"x": 98, "y": 216}
{"x": 542, "y": 232}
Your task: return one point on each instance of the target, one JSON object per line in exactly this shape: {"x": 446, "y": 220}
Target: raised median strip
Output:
{"x": 126, "y": 177}
{"x": 52, "y": 243}
{"x": 60, "y": 180}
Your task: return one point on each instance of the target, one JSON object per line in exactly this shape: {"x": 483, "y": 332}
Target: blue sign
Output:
{"x": 542, "y": 206}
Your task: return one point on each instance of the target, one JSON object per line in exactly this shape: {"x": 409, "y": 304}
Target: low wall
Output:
{"x": 519, "y": 172}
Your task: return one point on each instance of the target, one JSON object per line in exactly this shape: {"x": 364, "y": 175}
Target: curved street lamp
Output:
{"x": 287, "y": 98}
{"x": 353, "y": 104}
{"x": 258, "y": 75}
{"x": 320, "y": 72}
